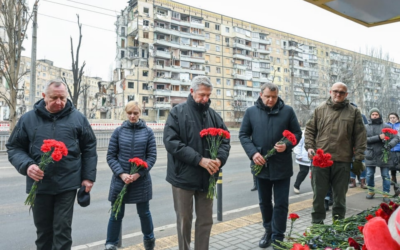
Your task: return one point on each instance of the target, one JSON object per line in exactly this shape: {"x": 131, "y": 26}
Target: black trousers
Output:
{"x": 301, "y": 175}
{"x": 52, "y": 215}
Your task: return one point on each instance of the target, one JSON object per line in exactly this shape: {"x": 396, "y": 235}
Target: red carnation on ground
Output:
{"x": 298, "y": 246}
{"x": 293, "y": 216}
{"x": 361, "y": 228}
{"x": 370, "y": 216}
{"x": 354, "y": 244}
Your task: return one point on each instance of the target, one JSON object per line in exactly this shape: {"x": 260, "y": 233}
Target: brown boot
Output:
{"x": 363, "y": 185}
{"x": 352, "y": 183}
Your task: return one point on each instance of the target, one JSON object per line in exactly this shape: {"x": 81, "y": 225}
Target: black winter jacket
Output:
{"x": 262, "y": 128}
{"x": 185, "y": 146}
{"x": 68, "y": 126}
{"x": 128, "y": 141}
{"x": 373, "y": 153}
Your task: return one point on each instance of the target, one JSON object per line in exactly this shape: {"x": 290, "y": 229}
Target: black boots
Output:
{"x": 254, "y": 188}
{"x": 326, "y": 205}
{"x": 265, "y": 240}
{"x": 149, "y": 244}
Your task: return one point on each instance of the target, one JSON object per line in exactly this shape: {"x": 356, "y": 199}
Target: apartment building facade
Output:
{"x": 162, "y": 45}
{"x": 45, "y": 71}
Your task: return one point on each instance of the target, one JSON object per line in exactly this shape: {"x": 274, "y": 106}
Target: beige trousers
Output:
{"x": 183, "y": 204}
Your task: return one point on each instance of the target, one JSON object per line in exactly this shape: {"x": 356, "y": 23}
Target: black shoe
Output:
{"x": 149, "y": 244}
{"x": 111, "y": 247}
{"x": 265, "y": 240}
{"x": 277, "y": 244}
{"x": 326, "y": 205}
{"x": 254, "y": 188}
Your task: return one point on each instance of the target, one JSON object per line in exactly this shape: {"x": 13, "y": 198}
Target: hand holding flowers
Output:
{"x": 214, "y": 138}
{"x": 136, "y": 165}
{"x": 389, "y": 134}
{"x": 53, "y": 151}
{"x": 287, "y": 137}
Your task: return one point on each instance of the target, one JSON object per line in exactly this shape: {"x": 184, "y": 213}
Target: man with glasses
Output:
{"x": 337, "y": 128}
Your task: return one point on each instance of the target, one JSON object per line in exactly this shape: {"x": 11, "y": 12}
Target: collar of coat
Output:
{"x": 40, "y": 109}
{"x": 337, "y": 106}
{"x": 139, "y": 124}
{"x": 198, "y": 106}
{"x": 274, "y": 110}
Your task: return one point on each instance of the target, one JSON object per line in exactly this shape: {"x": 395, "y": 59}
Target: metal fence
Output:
{"x": 103, "y": 139}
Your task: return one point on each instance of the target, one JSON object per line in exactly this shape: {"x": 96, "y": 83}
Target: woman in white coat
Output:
{"x": 304, "y": 163}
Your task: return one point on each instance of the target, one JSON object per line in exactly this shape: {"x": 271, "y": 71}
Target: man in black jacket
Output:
{"x": 262, "y": 127}
{"x": 189, "y": 162}
{"x": 54, "y": 117}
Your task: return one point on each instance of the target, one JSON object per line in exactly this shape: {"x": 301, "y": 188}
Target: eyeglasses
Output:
{"x": 336, "y": 92}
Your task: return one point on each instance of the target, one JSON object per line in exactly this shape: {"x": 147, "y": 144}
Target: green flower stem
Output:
{"x": 257, "y": 168}
{"x": 116, "y": 207}
{"x": 44, "y": 161}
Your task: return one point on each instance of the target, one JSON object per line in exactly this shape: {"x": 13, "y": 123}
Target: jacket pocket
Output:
{"x": 369, "y": 154}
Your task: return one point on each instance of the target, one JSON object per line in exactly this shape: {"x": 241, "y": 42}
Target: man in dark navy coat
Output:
{"x": 262, "y": 127}
{"x": 190, "y": 164}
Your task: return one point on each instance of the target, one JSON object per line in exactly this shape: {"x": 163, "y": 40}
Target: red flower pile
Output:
{"x": 214, "y": 138}
{"x": 136, "y": 165}
{"x": 298, "y": 246}
{"x": 322, "y": 160}
{"x": 389, "y": 134}
{"x": 287, "y": 137}
{"x": 53, "y": 151}
{"x": 353, "y": 243}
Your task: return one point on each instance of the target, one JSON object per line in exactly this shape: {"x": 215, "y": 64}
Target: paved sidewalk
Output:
{"x": 245, "y": 232}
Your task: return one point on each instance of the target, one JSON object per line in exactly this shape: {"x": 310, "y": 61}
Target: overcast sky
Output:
{"x": 98, "y": 44}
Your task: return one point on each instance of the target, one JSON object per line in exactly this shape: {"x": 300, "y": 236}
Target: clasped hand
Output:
{"x": 129, "y": 178}
{"x": 212, "y": 166}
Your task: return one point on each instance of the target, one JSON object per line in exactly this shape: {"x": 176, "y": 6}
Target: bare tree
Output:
{"x": 14, "y": 19}
{"x": 77, "y": 72}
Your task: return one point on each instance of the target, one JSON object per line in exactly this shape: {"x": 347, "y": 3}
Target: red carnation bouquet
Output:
{"x": 53, "y": 151}
{"x": 214, "y": 138}
{"x": 287, "y": 137}
{"x": 389, "y": 134}
{"x": 322, "y": 160}
{"x": 136, "y": 165}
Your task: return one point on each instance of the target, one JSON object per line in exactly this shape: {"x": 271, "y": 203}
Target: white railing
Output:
{"x": 103, "y": 138}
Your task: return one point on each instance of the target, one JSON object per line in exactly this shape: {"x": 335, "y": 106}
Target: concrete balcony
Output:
{"x": 167, "y": 43}
{"x": 165, "y": 18}
{"x": 193, "y": 47}
{"x": 243, "y": 57}
{"x": 163, "y": 54}
{"x": 242, "y": 46}
{"x": 241, "y": 77}
{"x": 265, "y": 70}
{"x": 265, "y": 51}
{"x": 263, "y": 41}
{"x": 162, "y": 92}
{"x": 180, "y": 93}
{"x": 198, "y": 36}
{"x": 167, "y": 31}
{"x": 242, "y": 87}
{"x": 265, "y": 79}
{"x": 181, "y": 22}
{"x": 132, "y": 27}
{"x": 313, "y": 60}
{"x": 162, "y": 105}
{"x": 197, "y": 25}
{"x": 239, "y": 66}
{"x": 295, "y": 48}
{"x": 192, "y": 59}
{"x": 264, "y": 60}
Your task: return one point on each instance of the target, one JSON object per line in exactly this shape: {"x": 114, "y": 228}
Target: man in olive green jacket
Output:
{"x": 337, "y": 128}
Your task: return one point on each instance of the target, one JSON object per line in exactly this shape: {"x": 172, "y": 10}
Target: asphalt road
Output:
{"x": 17, "y": 230}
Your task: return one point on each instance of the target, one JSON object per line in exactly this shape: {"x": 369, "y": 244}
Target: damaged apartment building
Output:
{"x": 162, "y": 45}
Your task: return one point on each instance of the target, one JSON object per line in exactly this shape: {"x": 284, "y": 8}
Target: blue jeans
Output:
{"x": 146, "y": 222}
{"x": 274, "y": 217}
{"x": 371, "y": 178}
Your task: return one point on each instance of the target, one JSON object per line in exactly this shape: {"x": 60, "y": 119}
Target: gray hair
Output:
{"x": 270, "y": 86}
{"x": 56, "y": 83}
{"x": 201, "y": 80}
